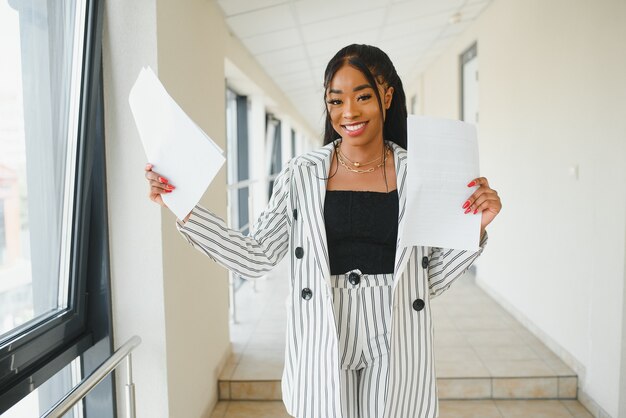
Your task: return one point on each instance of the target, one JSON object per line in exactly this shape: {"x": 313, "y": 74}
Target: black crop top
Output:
{"x": 361, "y": 230}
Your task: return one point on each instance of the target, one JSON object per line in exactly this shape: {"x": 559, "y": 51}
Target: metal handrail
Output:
{"x": 83, "y": 388}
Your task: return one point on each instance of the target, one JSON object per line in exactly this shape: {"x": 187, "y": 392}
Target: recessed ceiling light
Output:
{"x": 455, "y": 18}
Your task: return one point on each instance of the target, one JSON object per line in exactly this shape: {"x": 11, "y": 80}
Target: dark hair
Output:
{"x": 375, "y": 65}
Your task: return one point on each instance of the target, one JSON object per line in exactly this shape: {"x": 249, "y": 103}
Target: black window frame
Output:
{"x": 34, "y": 352}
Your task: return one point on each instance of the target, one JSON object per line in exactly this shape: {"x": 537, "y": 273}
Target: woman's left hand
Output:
{"x": 485, "y": 200}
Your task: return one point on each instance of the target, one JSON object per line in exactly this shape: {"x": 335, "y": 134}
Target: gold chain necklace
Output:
{"x": 356, "y": 164}
{"x": 369, "y": 170}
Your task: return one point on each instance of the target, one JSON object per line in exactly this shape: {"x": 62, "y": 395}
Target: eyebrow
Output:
{"x": 357, "y": 88}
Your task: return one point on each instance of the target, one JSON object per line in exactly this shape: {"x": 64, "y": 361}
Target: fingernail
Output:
{"x": 475, "y": 210}
{"x": 471, "y": 184}
{"x": 170, "y": 187}
{"x": 468, "y": 210}
{"x": 168, "y": 191}
{"x": 467, "y": 203}
{"x": 162, "y": 180}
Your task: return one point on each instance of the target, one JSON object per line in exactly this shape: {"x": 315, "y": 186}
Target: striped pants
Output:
{"x": 362, "y": 306}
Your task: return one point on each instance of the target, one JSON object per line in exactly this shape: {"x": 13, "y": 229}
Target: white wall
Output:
{"x": 163, "y": 290}
{"x": 129, "y": 41}
{"x": 552, "y": 96}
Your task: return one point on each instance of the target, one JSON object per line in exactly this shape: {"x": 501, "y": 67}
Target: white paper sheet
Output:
{"x": 176, "y": 147}
{"x": 442, "y": 160}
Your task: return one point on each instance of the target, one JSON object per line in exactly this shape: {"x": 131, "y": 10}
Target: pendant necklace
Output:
{"x": 341, "y": 156}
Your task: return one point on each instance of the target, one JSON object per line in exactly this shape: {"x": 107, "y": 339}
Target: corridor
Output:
{"x": 488, "y": 364}
{"x": 94, "y": 266}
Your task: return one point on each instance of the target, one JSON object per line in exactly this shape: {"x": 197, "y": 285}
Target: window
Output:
{"x": 46, "y": 395}
{"x": 273, "y": 141}
{"x": 414, "y": 104}
{"x": 38, "y": 196}
{"x": 238, "y": 172}
{"x": 238, "y": 167}
{"x": 53, "y": 236}
{"x": 469, "y": 84}
{"x": 3, "y": 240}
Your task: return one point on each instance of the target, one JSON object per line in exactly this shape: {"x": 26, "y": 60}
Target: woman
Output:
{"x": 359, "y": 337}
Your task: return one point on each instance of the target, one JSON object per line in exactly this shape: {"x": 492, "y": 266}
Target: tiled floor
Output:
{"x": 448, "y": 409}
{"x": 482, "y": 353}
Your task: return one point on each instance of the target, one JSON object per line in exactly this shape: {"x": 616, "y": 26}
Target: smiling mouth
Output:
{"x": 354, "y": 127}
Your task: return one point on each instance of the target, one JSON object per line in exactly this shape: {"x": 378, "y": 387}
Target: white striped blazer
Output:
{"x": 293, "y": 222}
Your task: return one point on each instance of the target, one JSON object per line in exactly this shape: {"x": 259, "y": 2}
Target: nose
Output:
{"x": 350, "y": 109}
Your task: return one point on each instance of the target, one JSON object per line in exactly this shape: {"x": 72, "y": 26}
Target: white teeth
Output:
{"x": 354, "y": 127}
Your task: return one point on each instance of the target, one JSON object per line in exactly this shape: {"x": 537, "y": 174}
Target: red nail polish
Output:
{"x": 475, "y": 210}
{"x": 466, "y": 204}
{"x": 468, "y": 210}
{"x": 471, "y": 184}
{"x": 162, "y": 179}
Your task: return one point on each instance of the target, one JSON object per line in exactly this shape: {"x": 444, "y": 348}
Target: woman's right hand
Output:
{"x": 158, "y": 185}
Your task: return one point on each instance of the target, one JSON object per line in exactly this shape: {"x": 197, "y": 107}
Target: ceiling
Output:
{"x": 293, "y": 40}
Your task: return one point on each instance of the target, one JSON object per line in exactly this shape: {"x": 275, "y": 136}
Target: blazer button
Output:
{"x": 295, "y": 214}
{"x": 418, "y": 304}
{"x": 354, "y": 278}
{"x": 307, "y": 293}
{"x": 424, "y": 262}
{"x": 299, "y": 252}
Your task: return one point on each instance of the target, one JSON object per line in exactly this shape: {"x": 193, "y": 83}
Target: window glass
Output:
{"x": 238, "y": 176}
{"x": 48, "y": 394}
{"x": 41, "y": 44}
{"x": 273, "y": 138}
{"x": 469, "y": 85}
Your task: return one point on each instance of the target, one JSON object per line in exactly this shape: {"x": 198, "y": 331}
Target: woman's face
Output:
{"x": 353, "y": 108}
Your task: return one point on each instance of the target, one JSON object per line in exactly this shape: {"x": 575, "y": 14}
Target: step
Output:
{"x": 256, "y": 375}
{"x": 520, "y": 371}
{"x": 447, "y": 409}
{"x": 562, "y": 387}
{"x": 481, "y": 351}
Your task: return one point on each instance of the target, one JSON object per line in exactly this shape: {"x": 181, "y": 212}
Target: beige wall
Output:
{"x": 191, "y": 66}
{"x": 552, "y": 96}
{"x": 163, "y": 290}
